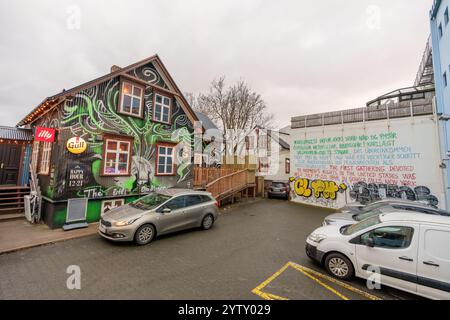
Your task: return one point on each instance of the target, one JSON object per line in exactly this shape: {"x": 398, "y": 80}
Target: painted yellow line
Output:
{"x": 323, "y": 284}
{"x": 333, "y": 280}
{"x": 268, "y": 296}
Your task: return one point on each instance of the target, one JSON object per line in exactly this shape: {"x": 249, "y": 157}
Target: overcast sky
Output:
{"x": 302, "y": 56}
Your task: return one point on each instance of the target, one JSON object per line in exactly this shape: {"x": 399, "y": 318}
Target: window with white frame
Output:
{"x": 44, "y": 165}
{"x": 131, "y": 99}
{"x": 161, "y": 110}
{"x": 116, "y": 160}
{"x": 264, "y": 164}
{"x": 108, "y": 205}
{"x": 35, "y": 156}
{"x": 165, "y": 160}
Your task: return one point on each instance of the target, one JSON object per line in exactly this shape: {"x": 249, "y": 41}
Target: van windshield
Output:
{"x": 150, "y": 201}
{"x": 369, "y": 222}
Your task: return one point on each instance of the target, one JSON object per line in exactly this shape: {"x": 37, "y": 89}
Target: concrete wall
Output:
{"x": 338, "y": 164}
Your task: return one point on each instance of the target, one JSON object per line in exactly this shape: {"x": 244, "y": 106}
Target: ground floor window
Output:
{"x": 116, "y": 156}
{"x": 35, "y": 156}
{"x": 44, "y": 163}
{"x": 108, "y": 205}
{"x": 165, "y": 164}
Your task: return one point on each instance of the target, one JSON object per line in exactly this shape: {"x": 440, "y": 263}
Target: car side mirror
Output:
{"x": 370, "y": 242}
{"x": 166, "y": 210}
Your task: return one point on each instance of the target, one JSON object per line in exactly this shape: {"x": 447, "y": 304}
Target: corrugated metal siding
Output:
{"x": 11, "y": 133}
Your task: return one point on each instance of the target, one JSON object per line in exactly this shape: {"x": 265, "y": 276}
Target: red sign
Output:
{"x": 44, "y": 134}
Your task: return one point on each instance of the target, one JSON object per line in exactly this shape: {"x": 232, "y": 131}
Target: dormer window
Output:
{"x": 131, "y": 99}
{"x": 161, "y": 108}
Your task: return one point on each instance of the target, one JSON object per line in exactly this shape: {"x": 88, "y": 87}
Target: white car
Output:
{"x": 409, "y": 250}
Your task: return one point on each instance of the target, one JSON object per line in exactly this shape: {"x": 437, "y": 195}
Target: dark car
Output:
{"x": 278, "y": 189}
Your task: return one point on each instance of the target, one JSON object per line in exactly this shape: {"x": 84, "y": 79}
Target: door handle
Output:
{"x": 431, "y": 263}
{"x": 406, "y": 259}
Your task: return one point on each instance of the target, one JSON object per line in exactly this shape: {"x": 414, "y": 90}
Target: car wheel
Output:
{"x": 144, "y": 234}
{"x": 207, "y": 222}
{"x": 339, "y": 266}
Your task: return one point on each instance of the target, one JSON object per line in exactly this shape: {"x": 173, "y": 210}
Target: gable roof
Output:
{"x": 52, "y": 101}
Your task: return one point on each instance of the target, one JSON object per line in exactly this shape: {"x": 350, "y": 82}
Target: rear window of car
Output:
{"x": 193, "y": 200}
{"x": 278, "y": 184}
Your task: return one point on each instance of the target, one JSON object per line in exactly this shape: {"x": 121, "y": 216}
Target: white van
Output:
{"x": 411, "y": 251}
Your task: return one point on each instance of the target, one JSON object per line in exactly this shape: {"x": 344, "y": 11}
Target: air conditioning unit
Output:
{"x": 28, "y": 209}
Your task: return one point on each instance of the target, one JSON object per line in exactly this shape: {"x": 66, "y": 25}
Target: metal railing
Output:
{"x": 411, "y": 108}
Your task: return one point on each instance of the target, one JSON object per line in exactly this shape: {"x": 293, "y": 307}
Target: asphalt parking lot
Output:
{"x": 255, "y": 251}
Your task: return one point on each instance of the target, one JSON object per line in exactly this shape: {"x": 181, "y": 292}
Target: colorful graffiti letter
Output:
{"x": 326, "y": 189}
{"x": 301, "y": 187}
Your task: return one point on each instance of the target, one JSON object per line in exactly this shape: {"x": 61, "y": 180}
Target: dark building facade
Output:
{"x": 115, "y": 138}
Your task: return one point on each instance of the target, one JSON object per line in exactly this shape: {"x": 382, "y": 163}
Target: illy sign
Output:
{"x": 44, "y": 134}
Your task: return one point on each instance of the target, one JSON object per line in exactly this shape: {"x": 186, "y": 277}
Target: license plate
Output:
{"x": 102, "y": 228}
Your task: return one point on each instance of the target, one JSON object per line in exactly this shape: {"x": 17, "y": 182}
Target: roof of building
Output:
{"x": 206, "y": 121}
{"x": 11, "y": 133}
{"x": 55, "y": 100}
{"x": 276, "y": 136}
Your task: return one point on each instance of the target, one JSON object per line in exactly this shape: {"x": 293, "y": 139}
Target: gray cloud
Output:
{"x": 302, "y": 56}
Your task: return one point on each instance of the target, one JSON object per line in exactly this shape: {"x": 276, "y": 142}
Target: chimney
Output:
{"x": 115, "y": 68}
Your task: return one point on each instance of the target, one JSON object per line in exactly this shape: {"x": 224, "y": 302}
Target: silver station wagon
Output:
{"x": 158, "y": 213}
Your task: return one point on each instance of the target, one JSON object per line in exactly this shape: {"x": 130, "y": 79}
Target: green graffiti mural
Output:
{"x": 92, "y": 113}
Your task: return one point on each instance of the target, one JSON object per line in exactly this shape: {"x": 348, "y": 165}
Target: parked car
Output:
{"x": 278, "y": 189}
{"x": 159, "y": 213}
{"x": 408, "y": 250}
{"x": 347, "y": 216}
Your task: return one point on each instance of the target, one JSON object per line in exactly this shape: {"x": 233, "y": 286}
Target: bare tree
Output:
{"x": 235, "y": 107}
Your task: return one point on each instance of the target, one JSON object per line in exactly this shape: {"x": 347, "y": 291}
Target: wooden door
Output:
{"x": 9, "y": 163}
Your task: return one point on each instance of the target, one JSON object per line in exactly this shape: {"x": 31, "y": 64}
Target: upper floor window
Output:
{"x": 446, "y": 16}
{"x": 44, "y": 163}
{"x": 131, "y": 99}
{"x": 287, "y": 166}
{"x": 441, "y": 32}
{"x": 445, "y": 79}
{"x": 116, "y": 156}
{"x": 161, "y": 110}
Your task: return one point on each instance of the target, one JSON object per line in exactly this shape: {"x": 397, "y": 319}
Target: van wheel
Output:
{"x": 339, "y": 266}
{"x": 144, "y": 234}
{"x": 207, "y": 222}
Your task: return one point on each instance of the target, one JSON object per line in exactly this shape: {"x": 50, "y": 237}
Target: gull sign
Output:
{"x": 76, "y": 145}
{"x": 44, "y": 134}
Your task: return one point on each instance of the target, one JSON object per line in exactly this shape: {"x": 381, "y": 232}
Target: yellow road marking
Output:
{"x": 323, "y": 284}
{"x": 311, "y": 274}
{"x": 336, "y": 281}
{"x": 269, "y": 296}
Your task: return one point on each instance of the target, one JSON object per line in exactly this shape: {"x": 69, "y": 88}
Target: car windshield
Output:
{"x": 365, "y": 215}
{"x": 150, "y": 201}
{"x": 369, "y": 222}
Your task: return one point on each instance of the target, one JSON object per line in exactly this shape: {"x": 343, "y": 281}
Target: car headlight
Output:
{"x": 314, "y": 237}
{"x": 124, "y": 222}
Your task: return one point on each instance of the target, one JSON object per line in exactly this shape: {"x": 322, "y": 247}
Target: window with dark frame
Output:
{"x": 131, "y": 99}
{"x": 165, "y": 164}
{"x": 446, "y": 16}
{"x": 287, "y": 165}
{"x": 116, "y": 156}
{"x": 445, "y": 79}
{"x": 162, "y": 108}
{"x": 441, "y": 32}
